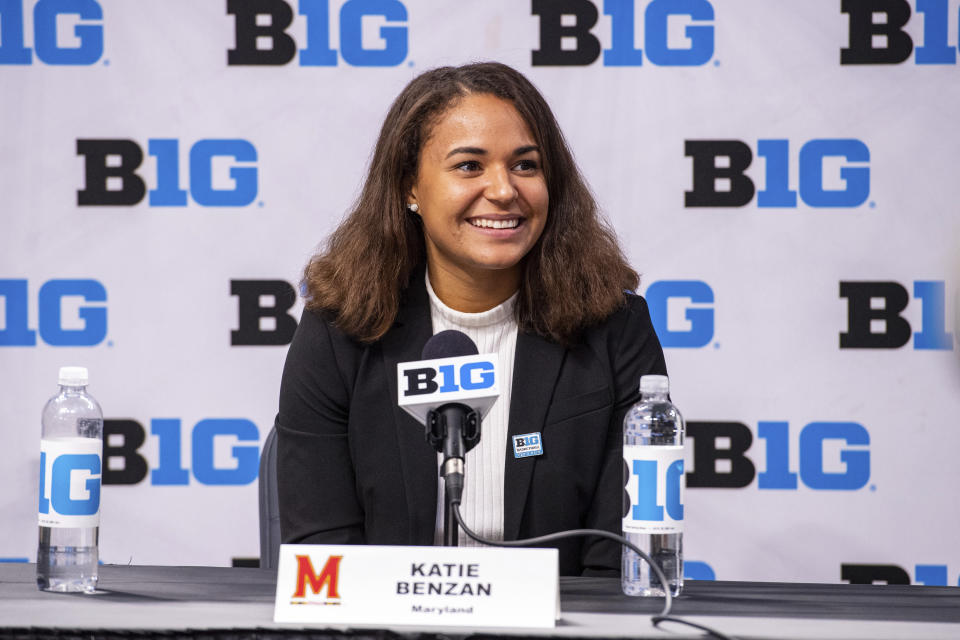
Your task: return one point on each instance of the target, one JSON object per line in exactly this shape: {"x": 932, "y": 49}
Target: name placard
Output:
{"x": 445, "y": 586}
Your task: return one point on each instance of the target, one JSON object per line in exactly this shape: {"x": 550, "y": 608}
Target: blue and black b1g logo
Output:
{"x": 877, "y": 32}
{"x": 932, "y": 575}
{"x": 567, "y": 38}
{"x": 527, "y": 444}
{"x": 875, "y": 320}
{"x": 111, "y": 179}
{"x": 469, "y": 376}
{"x": 262, "y": 38}
{"x": 720, "y": 180}
{"x": 126, "y": 464}
{"x": 720, "y": 460}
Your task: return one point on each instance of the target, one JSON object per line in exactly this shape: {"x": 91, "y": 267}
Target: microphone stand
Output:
{"x": 452, "y": 429}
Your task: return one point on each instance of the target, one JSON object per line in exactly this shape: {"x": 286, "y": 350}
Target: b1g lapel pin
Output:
{"x": 527, "y": 444}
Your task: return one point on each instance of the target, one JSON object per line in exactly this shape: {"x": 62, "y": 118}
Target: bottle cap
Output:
{"x": 73, "y": 376}
{"x": 654, "y": 384}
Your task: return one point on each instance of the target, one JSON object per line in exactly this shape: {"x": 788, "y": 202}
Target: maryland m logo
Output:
{"x": 328, "y": 578}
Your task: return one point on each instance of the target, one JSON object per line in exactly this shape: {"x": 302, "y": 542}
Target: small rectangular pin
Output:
{"x": 527, "y": 444}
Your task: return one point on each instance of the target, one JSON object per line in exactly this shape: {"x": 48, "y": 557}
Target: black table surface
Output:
{"x": 220, "y": 586}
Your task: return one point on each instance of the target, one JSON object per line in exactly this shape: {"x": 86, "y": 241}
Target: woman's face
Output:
{"x": 480, "y": 188}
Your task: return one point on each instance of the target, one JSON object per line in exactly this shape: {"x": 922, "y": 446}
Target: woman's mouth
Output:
{"x": 489, "y": 223}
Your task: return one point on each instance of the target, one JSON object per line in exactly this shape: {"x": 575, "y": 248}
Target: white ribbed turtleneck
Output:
{"x": 493, "y": 331}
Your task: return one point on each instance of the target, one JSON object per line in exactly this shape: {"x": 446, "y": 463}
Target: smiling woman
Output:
{"x": 577, "y": 253}
{"x": 473, "y": 217}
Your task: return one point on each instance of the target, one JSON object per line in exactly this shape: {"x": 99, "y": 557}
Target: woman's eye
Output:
{"x": 526, "y": 165}
{"x": 469, "y": 165}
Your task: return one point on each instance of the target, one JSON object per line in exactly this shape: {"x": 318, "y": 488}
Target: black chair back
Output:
{"x": 269, "y": 503}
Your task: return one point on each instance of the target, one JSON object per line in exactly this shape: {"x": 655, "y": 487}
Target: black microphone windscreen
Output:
{"x": 448, "y": 344}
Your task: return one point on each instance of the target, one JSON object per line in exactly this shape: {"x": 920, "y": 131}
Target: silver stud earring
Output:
{"x": 413, "y": 208}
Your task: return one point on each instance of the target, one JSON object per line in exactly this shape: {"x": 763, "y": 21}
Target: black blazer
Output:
{"x": 354, "y": 468}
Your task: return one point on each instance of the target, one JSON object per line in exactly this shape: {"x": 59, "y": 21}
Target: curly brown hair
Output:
{"x": 574, "y": 276}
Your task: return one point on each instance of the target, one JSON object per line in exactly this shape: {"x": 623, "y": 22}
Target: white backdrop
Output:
{"x": 762, "y": 319}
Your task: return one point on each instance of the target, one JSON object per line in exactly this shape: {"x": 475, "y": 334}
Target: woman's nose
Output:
{"x": 500, "y": 187}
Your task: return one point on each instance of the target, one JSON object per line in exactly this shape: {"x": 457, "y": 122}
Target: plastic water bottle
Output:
{"x": 653, "y": 435}
{"x": 71, "y": 452}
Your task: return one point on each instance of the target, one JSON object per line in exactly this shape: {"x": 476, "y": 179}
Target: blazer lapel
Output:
{"x": 418, "y": 462}
{"x": 536, "y": 367}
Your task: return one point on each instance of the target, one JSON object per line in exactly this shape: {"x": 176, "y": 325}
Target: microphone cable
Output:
{"x": 663, "y": 616}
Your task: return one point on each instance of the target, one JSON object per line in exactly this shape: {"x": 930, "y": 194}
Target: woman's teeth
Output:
{"x": 495, "y": 224}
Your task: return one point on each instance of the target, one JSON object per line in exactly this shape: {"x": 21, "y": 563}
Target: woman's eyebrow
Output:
{"x": 477, "y": 151}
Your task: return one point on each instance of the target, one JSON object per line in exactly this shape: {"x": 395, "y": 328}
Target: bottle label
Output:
{"x": 70, "y": 473}
{"x": 655, "y": 487}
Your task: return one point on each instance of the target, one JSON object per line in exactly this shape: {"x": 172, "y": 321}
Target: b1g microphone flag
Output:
{"x": 472, "y": 380}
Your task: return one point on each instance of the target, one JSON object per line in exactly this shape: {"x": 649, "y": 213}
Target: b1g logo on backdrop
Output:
{"x": 932, "y": 575}
{"x": 682, "y": 312}
{"x": 124, "y": 464}
{"x": 832, "y": 456}
{"x": 263, "y": 317}
{"x": 65, "y": 315}
{"x": 111, "y": 178}
{"x": 719, "y": 178}
{"x": 875, "y": 320}
{"x": 54, "y": 42}
{"x": 261, "y": 38}
{"x": 567, "y": 37}
{"x": 877, "y": 35}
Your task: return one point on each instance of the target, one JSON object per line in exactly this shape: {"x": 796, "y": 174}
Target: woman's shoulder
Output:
{"x": 632, "y": 316}
{"x": 318, "y": 330}
{"x": 626, "y": 334}
{"x": 320, "y": 369}
{"x": 635, "y": 304}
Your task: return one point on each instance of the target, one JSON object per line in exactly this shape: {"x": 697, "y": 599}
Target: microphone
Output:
{"x": 449, "y": 391}
{"x": 448, "y": 344}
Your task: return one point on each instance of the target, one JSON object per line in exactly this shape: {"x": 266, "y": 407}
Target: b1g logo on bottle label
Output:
{"x": 70, "y": 471}
{"x": 654, "y": 489}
